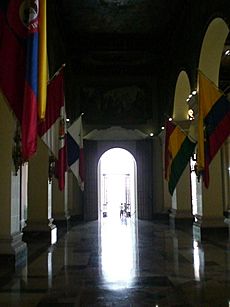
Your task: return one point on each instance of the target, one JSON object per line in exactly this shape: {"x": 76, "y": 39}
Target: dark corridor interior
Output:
{"x": 123, "y": 57}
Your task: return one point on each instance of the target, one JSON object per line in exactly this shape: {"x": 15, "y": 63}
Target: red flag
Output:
{"x": 52, "y": 130}
{"x": 49, "y": 128}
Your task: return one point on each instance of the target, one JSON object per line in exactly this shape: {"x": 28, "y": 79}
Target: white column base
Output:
{"x": 40, "y": 230}
{"x": 180, "y": 217}
{"x": 205, "y": 226}
{"x": 209, "y": 222}
{"x": 14, "y": 250}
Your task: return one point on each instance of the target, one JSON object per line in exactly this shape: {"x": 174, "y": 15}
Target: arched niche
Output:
{"x": 182, "y": 91}
{"x": 209, "y": 64}
{"x": 212, "y": 49}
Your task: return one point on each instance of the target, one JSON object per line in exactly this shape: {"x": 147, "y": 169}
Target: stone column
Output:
{"x": 24, "y": 194}
{"x": 181, "y": 211}
{"x": 213, "y": 208}
{"x": 161, "y": 197}
{"x": 209, "y": 213}
{"x": 40, "y": 198}
{"x": 75, "y": 201}
{"x": 59, "y": 202}
{"x": 12, "y": 249}
{"x": 225, "y": 153}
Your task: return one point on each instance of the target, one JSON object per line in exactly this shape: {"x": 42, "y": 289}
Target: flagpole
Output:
{"x": 226, "y": 89}
{"x": 57, "y": 72}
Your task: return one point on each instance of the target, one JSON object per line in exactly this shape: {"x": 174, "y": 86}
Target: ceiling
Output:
{"x": 114, "y": 52}
{"x": 123, "y": 56}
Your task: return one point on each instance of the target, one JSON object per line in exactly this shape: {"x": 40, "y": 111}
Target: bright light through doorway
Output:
{"x": 117, "y": 182}
{"x": 118, "y": 232}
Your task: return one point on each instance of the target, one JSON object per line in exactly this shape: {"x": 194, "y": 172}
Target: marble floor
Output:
{"x": 123, "y": 263}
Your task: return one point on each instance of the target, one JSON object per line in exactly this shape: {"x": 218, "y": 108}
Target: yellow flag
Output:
{"x": 208, "y": 94}
{"x": 43, "y": 60}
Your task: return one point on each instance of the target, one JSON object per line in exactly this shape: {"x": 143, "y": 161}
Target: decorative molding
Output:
{"x": 115, "y": 133}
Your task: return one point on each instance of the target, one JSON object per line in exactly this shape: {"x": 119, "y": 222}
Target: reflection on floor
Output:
{"x": 124, "y": 265}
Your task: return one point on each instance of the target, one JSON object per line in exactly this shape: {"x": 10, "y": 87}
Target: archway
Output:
{"x": 212, "y": 49}
{"x": 117, "y": 232}
{"x": 208, "y": 203}
{"x": 180, "y": 202}
{"x": 117, "y": 185}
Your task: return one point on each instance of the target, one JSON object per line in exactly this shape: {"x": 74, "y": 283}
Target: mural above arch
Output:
{"x": 124, "y": 104}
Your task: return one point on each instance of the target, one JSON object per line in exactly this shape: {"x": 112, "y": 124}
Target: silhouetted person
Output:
{"x": 121, "y": 210}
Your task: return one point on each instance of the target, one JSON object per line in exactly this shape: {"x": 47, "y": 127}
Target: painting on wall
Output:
{"x": 130, "y": 104}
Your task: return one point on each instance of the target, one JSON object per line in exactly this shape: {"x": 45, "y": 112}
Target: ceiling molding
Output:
{"x": 115, "y": 133}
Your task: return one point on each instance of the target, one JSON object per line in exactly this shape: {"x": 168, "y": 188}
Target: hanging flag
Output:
{"x": 12, "y": 58}
{"x": 75, "y": 155}
{"x": 179, "y": 147}
{"x": 52, "y": 130}
{"x": 43, "y": 61}
{"x": 18, "y": 68}
{"x": 213, "y": 123}
{"x": 21, "y": 53}
{"x": 30, "y": 102}
{"x": 48, "y": 129}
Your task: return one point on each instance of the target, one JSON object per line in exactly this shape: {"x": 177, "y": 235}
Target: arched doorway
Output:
{"x": 117, "y": 185}
{"x": 142, "y": 150}
{"x": 117, "y": 231}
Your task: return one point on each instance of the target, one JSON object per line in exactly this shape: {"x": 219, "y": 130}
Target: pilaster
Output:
{"x": 40, "y": 220}
{"x": 59, "y": 204}
{"x": 181, "y": 212}
{"x": 209, "y": 213}
{"x": 13, "y": 251}
{"x": 75, "y": 207}
{"x": 225, "y": 155}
